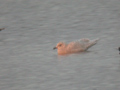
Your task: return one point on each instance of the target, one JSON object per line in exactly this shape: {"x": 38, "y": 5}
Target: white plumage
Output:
{"x": 75, "y": 46}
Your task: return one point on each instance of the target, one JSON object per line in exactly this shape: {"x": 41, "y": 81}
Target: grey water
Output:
{"x": 34, "y": 27}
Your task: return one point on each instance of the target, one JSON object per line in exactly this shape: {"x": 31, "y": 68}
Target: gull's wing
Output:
{"x": 81, "y": 45}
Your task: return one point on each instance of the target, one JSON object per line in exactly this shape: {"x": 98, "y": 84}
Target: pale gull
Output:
{"x": 75, "y": 46}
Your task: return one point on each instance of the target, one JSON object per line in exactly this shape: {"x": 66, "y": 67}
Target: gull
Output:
{"x": 75, "y": 46}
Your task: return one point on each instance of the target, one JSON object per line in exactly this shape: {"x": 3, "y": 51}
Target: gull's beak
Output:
{"x": 54, "y": 48}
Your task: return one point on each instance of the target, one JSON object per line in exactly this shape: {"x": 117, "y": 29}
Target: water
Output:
{"x": 32, "y": 29}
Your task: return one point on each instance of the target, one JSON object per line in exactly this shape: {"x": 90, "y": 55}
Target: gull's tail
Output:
{"x": 91, "y": 43}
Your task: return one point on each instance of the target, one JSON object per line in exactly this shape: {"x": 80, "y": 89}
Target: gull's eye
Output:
{"x": 60, "y": 45}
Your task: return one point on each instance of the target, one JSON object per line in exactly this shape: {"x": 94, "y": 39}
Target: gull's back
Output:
{"x": 81, "y": 45}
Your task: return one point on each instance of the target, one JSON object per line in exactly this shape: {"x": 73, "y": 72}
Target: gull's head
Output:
{"x": 60, "y": 45}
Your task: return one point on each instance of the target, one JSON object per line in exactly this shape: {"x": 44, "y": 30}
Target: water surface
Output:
{"x": 32, "y": 29}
